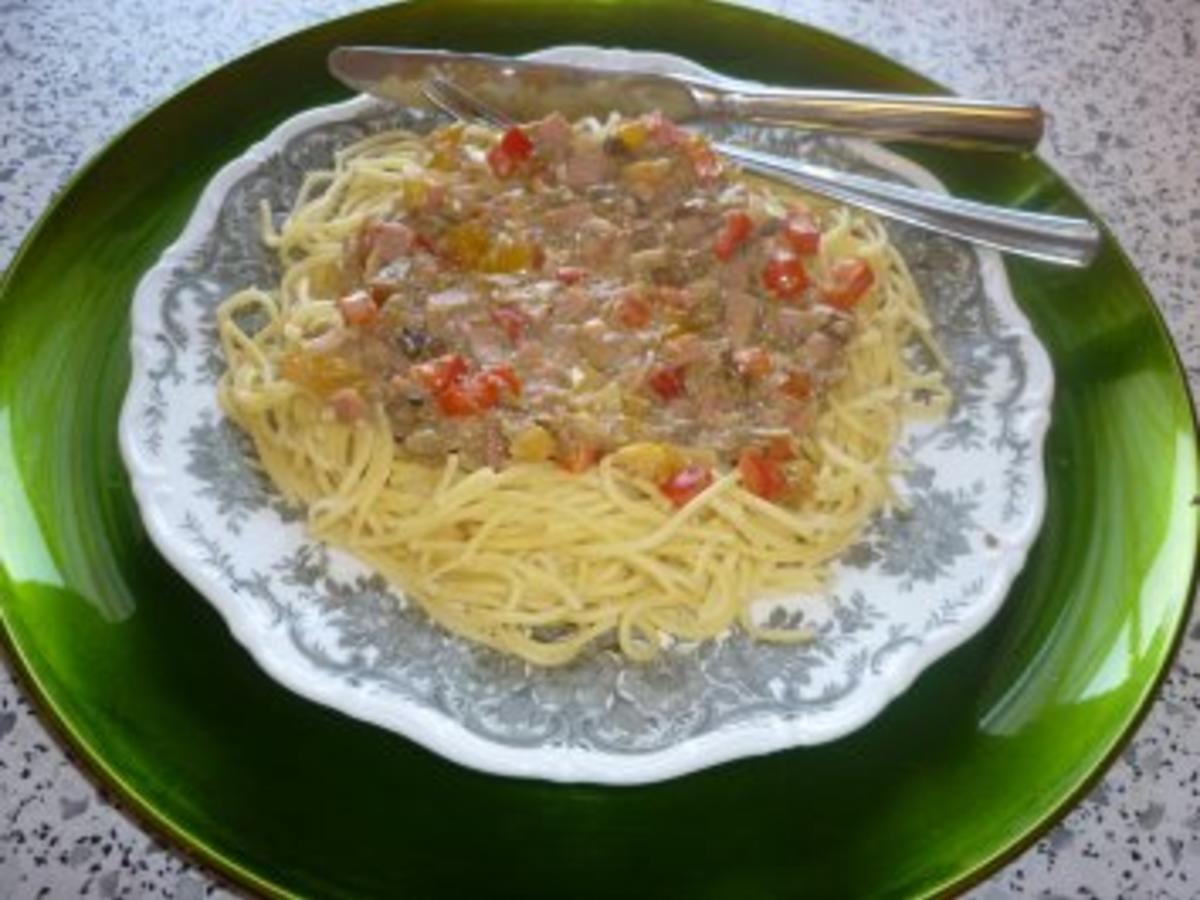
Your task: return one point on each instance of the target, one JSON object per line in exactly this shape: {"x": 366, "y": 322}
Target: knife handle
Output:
{"x": 886, "y": 117}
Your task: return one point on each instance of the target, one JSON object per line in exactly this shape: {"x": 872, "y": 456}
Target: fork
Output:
{"x": 1055, "y": 239}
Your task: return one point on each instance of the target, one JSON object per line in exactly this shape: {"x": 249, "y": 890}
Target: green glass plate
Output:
{"x": 140, "y": 674}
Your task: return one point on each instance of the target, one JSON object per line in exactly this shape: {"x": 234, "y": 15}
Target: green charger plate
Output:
{"x": 987, "y": 749}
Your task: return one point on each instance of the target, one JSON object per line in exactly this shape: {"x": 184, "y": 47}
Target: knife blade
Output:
{"x": 529, "y": 90}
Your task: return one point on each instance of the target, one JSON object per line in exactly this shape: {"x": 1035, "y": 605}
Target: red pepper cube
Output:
{"x": 848, "y": 282}
{"x": 761, "y": 475}
{"x": 784, "y": 276}
{"x": 668, "y": 382}
{"x": 802, "y": 233}
{"x": 736, "y": 230}
{"x": 686, "y": 484}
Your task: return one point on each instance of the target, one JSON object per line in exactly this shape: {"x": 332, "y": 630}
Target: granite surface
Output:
{"x": 1122, "y": 79}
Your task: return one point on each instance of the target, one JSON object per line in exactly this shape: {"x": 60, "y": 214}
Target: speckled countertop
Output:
{"x": 1122, "y": 80}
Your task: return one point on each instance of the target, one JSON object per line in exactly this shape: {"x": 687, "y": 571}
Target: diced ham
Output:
{"x": 326, "y": 342}
{"x": 599, "y": 344}
{"x": 495, "y": 447}
{"x": 692, "y": 229}
{"x": 358, "y": 308}
{"x": 587, "y": 165}
{"x": 796, "y": 323}
{"x": 712, "y": 396}
{"x": 551, "y": 134}
{"x": 647, "y": 261}
{"x": 819, "y": 350}
{"x": 567, "y": 218}
{"x": 600, "y": 242}
{"x": 741, "y": 313}
{"x": 435, "y": 197}
{"x": 753, "y": 362}
{"x": 384, "y": 242}
{"x": 572, "y": 304}
{"x": 735, "y": 275}
{"x": 684, "y": 350}
{"x": 443, "y": 307}
{"x": 570, "y": 274}
{"x": 530, "y": 356}
{"x": 486, "y": 343}
{"x": 665, "y": 132}
{"x": 512, "y": 320}
{"x": 677, "y": 299}
{"x": 462, "y": 196}
{"x": 348, "y": 404}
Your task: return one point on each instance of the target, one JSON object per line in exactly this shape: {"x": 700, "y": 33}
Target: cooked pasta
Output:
{"x": 480, "y": 376}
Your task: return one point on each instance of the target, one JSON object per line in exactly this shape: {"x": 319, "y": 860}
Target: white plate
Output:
{"x": 917, "y": 585}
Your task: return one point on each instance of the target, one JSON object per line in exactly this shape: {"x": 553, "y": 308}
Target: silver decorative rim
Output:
{"x": 920, "y": 582}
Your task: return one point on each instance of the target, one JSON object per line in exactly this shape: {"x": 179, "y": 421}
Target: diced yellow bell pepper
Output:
{"x": 632, "y": 134}
{"x": 652, "y": 461}
{"x": 468, "y": 244}
{"x": 508, "y": 256}
{"x": 534, "y": 444}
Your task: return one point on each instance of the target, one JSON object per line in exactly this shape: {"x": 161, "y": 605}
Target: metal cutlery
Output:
{"x": 528, "y": 90}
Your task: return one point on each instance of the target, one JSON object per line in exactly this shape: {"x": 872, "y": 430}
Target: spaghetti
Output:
{"x": 515, "y": 507}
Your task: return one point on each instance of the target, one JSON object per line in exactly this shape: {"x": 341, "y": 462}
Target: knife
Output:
{"x": 529, "y": 90}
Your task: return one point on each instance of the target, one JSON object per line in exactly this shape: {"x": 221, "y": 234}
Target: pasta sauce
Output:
{"x": 578, "y": 386}
{"x": 567, "y": 293}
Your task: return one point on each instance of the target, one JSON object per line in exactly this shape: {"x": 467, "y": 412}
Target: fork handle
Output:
{"x": 886, "y": 117}
{"x": 1057, "y": 239}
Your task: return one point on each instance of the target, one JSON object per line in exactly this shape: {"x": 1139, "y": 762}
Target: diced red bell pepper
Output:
{"x": 848, "y": 282}
{"x": 578, "y": 456}
{"x": 668, "y": 381}
{"x": 761, "y": 475}
{"x": 633, "y": 311}
{"x": 797, "y": 385}
{"x": 505, "y": 378}
{"x": 516, "y": 143}
{"x": 438, "y": 374}
{"x": 736, "y": 230}
{"x": 513, "y": 148}
{"x": 802, "y": 233}
{"x": 784, "y": 276}
{"x": 479, "y": 393}
{"x": 463, "y": 398}
{"x": 686, "y": 484}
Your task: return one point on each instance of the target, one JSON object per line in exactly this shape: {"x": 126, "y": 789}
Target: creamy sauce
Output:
{"x": 563, "y": 292}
